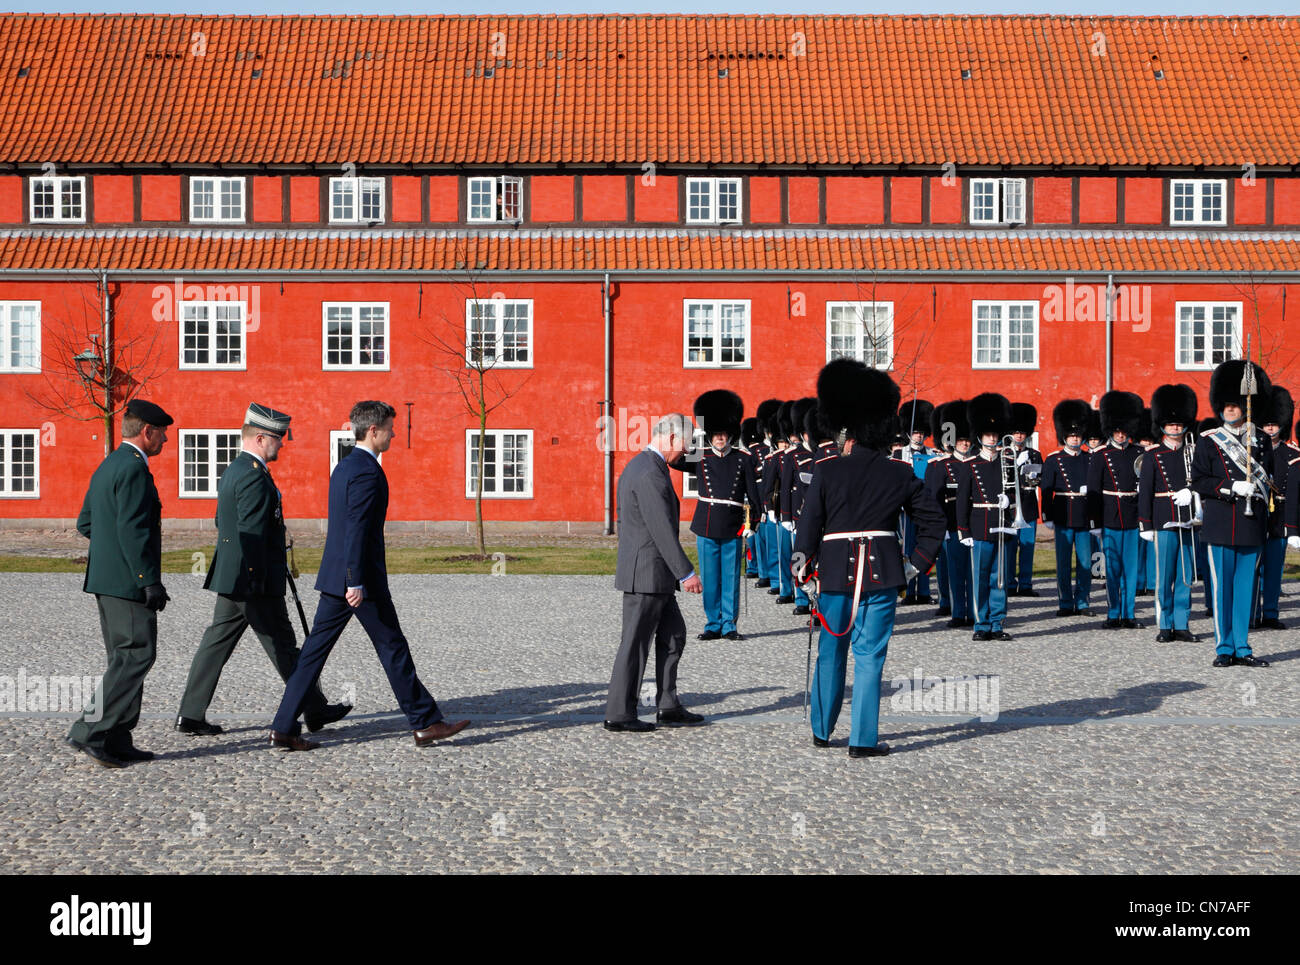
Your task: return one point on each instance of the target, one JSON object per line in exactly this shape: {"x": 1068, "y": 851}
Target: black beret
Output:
{"x": 148, "y": 413}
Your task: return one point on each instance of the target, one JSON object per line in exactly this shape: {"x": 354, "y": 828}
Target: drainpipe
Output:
{"x": 1110, "y": 323}
{"x": 607, "y": 406}
{"x": 108, "y": 361}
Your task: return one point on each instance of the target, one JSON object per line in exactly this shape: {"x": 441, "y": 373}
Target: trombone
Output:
{"x": 1010, "y": 480}
{"x": 1194, "y": 512}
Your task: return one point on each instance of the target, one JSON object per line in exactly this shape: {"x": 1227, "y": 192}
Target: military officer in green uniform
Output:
{"x": 122, "y": 518}
{"x": 248, "y": 574}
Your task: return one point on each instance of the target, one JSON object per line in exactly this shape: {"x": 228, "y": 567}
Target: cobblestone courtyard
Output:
{"x": 1110, "y": 752}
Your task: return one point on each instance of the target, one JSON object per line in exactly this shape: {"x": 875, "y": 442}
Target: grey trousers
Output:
{"x": 646, "y": 617}
{"x": 269, "y": 618}
{"x": 131, "y": 641}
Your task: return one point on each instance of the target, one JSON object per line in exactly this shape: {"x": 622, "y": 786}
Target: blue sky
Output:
{"x": 1101, "y": 7}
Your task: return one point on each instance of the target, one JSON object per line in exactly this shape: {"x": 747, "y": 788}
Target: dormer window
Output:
{"x": 712, "y": 200}
{"x": 997, "y": 201}
{"x": 59, "y": 199}
{"x": 496, "y": 199}
{"x": 219, "y": 200}
{"x": 356, "y": 200}
{"x": 1197, "y": 202}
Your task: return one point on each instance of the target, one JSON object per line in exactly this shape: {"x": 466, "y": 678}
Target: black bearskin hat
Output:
{"x": 817, "y": 429}
{"x": 1024, "y": 418}
{"x": 1121, "y": 412}
{"x": 1280, "y": 409}
{"x": 1145, "y": 430}
{"x": 766, "y": 416}
{"x": 989, "y": 412}
{"x": 719, "y": 410}
{"x": 799, "y": 414}
{"x": 915, "y": 416}
{"x": 949, "y": 423}
{"x": 750, "y": 432}
{"x": 1206, "y": 424}
{"x": 1094, "y": 425}
{"x": 1225, "y": 386}
{"x": 859, "y": 400}
{"x": 1070, "y": 416}
{"x": 1173, "y": 403}
{"x": 785, "y": 420}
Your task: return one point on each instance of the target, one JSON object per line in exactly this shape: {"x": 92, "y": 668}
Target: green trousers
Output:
{"x": 269, "y": 618}
{"x": 131, "y": 640}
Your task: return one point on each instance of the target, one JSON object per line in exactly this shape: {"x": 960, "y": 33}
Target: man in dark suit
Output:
{"x": 248, "y": 574}
{"x": 122, "y": 518}
{"x": 353, "y": 579}
{"x": 651, "y": 565}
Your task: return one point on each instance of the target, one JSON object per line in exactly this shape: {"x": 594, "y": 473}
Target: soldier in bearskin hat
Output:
{"x": 1029, "y": 468}
{"x": 726, "y": 482}
{"x": 797, "y": 476}
{"x": 751, "y": 438}
{"x": 1146, "y": 580}
{"x": 1202, "y": 550}
{"x": 1064, "y": 486}
{"x": 1291, "y": 505}
{"x": 847, "y": 531}
{"x": 985, "y": 516}
{"x": 768, "y": 473}
{"x": 1113, "y": 503}
{"x": 914, "y": 417}
{"x": 1276, "y": 424}
{"x": 1168, "y": 510}
{"x": 950, "y": 428}
{"x": 1093, "y": 435}
{"x": 1232, "y": 469}
{"x": 780, "y": 501}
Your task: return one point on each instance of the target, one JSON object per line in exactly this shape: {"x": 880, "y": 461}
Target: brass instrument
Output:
{"x": 1010, "y": 480}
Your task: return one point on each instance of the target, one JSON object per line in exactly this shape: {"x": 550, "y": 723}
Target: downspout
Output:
{"x": 1110, "y": 322}
{"x": 108, "y": 373}
{"x": 607, "y": 407}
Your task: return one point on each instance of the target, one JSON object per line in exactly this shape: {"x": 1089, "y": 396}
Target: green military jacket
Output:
{"x": 122, "y": 517}
{"x": 250, "y": 559}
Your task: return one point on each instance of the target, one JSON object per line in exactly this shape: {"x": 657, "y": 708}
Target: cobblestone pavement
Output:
{"x": 1110, "y": 753}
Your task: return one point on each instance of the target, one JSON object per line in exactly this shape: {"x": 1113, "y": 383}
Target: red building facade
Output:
{"x": 619, "y": 213}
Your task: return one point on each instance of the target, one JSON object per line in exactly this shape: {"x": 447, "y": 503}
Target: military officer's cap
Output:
{"x": 148, "y": 413}
{"x": 268, "y": 420}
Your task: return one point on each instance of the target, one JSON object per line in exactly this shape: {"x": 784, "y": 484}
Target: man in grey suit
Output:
{"x": 651, "y": 565}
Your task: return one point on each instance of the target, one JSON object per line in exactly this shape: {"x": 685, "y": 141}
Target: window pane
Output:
{"x": 232, "y": 199}
{"x": 194, "y": 334}
{"x": 72, "y": 202}
{"x": 731, "y": 333}
{"x": 482, "y": 332}
{"x": 729, "y": 200}
{"x": 983, "y": 201}
{"x": 1212, "y": 201}
{"x": 699, "y": 332}
{"x": 195, "y": 463}
{"x": 202, "y": 204}
{"x": 698, "y": 200}
{"x": 482, "y": 200}
{"x": 372, "y": 199}
{"x": 511, "y": 192}
{"x": 341, "y": 205}
{"x": 1184, "y": 201}
{"x": 43, "y": 192}
{"x": 843, "y": 332}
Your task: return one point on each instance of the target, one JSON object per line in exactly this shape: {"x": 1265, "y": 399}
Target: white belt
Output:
{"x": 724, "y": 502}
{"x": 857, "y": 579}
{"x": 1109, "y": 492}
{"x": 985, "y": 506}
{"x": 1065, "y": 493}
{"x": 862, "y": 534}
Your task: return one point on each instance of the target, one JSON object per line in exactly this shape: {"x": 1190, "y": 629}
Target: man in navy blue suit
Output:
{"x": 353, "y": 579}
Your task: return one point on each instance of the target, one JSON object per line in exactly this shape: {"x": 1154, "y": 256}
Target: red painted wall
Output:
{"x": 160, "y": 197}
{"x": 1286, "y": 201}
{"x": 552, "y": 198}
{"x": 655, "y": 202}
{"x": 1249, "y": 201}
{"x": 945, "y": 201}
{"x": 604, "y": 198}
{"x": 803, "y": 201}
{"x": 444, "y": 198}
{"x": 304, "y": 200}
{"x": 1143, "y": 201}
{"x": 268, "y": 199}
{"x": 1053, "y": 199}
{"x": 11, "y": 198}
{"x": 1097, "y": 200}
{"x": 848, "y": 200}
{"x": 405, "y": 203}
{"x": 114, "y": 198}
{"x": 905, "y": 200}
{"x": 764, "y": 200}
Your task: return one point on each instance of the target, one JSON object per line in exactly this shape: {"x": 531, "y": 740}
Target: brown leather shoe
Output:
{"x": 292, "y": 742}
{"x": 439, "y": 731}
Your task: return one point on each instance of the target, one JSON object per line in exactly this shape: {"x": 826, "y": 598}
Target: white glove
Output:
{"x": 1183, "y": 497}
{"x": 787, "y": 525}
{"x": 1051, "y": 527}
{"x": 1003, "y": 500}
{"x": 1095, "y": 532}
{"x": 1243, "y": 487}
{"x": 968, "y": 542}
{"x": 1293, "y": 542}
{"x": 771, "y": 516}
{"x": 1022, "y": 458}
{"x": 1148, "y": 534}
{"x": 1083, "y": 490}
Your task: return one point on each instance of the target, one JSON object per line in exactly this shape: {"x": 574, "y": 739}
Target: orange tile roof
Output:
{"x": 617, "y": 89}
{"x": 644, "y": 250}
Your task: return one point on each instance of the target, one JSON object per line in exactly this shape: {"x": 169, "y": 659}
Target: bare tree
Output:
{"x": 1265, "y": 322}
{"x": 903, "y": 343}
{"x": 471, "y": 351}
{"x": 91, "y": 367}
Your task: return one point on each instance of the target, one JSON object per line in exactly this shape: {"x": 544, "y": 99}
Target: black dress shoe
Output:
{"x": 763, "y": 583}
{"x": 1209, "y": 611}
{"x": 1110, "y": 624}
{"x": 943, "y": 611}
{"x": 734, "y": 635}
{"x": 709, "y": 635}
{"x": 968, "y": 622}
{"x": 98, "y": 754}
{"x": 292, "y": 742}
{"x": 999, "y": 635}
{"x": 1164, "y": 636}
{"x": 629, "y": 726}
{"x": 773, "y": 591}
{"x": 1185, "y": 635}
{"x": 1222, "y": 660}
{"x": 1254, "y": 625}
{"x": 1030, "y": 592}
{"x": 880, "y": 750}
{"x": 1065, "y": 611}
{"x": 924, "y": 598}
{"x": 956, "y": 623}
{"x": 132, "y": 754}
{"x": 909, "y": 600}
{"x": 1127, "y": 624}
{"x": 1012, "y": 591}
{"x": 328, "y": 715}
{"x": 981, "y": 635}
{"x": 1271, "y": 623}
{"x": 200, "y": 728}
{"x": 801, "y": 611}
{"x": 679, "y": 717}
{"x": 1249, "y": 662}
{"x": 1083, "y": 612}
{"x": 783, "y": 600}
{"x": 818, "y": 742}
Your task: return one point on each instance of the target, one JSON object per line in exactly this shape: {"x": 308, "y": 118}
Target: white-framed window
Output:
{"x": 690, "y": 480}
{"x": 343, "y": 441}
{"x": 862, "y": 331}
{"x": 356, "y": 200}
{"x": 20, "y": 336}
{"x": 496, "y": 199}
{"x": 20, "y": 463}
{"x": 499, "y": 332}
{"x": 354, "y": 335}
{"x": 216, "y": 199}
{"x": 212, "y": 335}
{"x": 1198, "y": 202}
{"x": 1005, "y": 335}
{"x": 205, "y": 454}
{"x": 712, "y": 200}
{"x": 715, "y": 333}
{"x": 1208, "y": 333}
{"x": 507, "y": 463}
{"x": 997, "y": 201}
{"x": 58, "y": 199}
